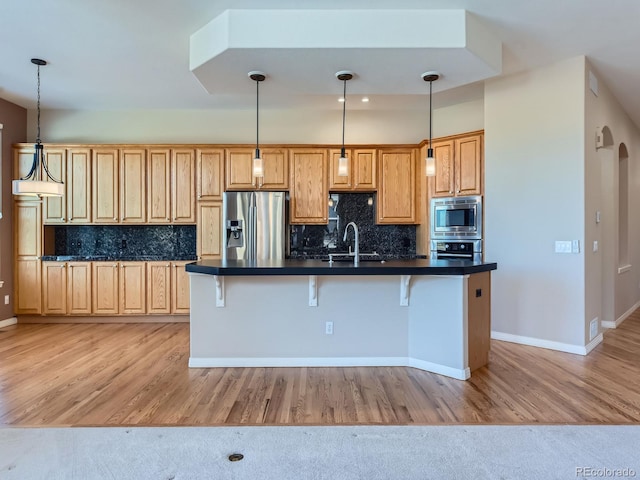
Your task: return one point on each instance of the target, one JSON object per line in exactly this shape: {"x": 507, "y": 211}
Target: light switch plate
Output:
{"x": 575, "y": 246}
{"x": 563, "y": 246}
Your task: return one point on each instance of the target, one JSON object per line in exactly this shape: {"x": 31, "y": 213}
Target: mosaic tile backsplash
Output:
{"x": 149, "y": 242}
{"x": 389, "y": 241}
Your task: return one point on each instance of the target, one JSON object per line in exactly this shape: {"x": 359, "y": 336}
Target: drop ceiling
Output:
{"x": 106, "y": 55}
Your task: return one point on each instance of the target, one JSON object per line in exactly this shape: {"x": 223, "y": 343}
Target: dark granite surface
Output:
{"x": 123, "y": 242}
{"x": 388, "y": 241}
{"x": 318, "y": 267}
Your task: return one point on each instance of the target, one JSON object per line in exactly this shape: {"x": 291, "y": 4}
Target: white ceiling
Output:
{"x": 135, "y": 54}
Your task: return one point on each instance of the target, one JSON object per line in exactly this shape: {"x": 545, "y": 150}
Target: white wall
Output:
{"x": 620, "y": 292}
{"x": 534, "y": 195}
{"x": 238, "y": 126}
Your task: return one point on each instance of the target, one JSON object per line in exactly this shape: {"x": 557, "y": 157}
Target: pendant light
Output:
{"x": 32, "y": 183}
{"x": 258, "y": 167}
{"x": 430, "y": 162}
{"x": 343, "y": 161}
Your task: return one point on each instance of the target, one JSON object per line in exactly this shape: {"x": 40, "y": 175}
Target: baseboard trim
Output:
{"x": 548, "y": 344}
{"x": 622, "y": 318}
{"x": 8, "y": 322}
{"x": 104, "y": 319}
{"x": 250, "y": 362}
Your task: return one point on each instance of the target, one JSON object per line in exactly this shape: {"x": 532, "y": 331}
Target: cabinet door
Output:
{"x": 55, "y": 208}
{"x": 309, "y": 186}
{"x": 210, "y": 174}
{"x": 276, "y": 170}
{"x": 54, "y": 288}
{"x": 104, "y": 288}
{"x": 105, "y": 193}
{"x": 27, "y": 287}
{"x": 159, "y": 198}
{"x": 364, "y": 169}
{"x": 180, "y": 300}
{"x": 397, "y": 192}
{"x": 28, "y": 229}
{"x": 336, "y": 182}
{"x": 239, "y": 169}
{"x": 159, "y": 287}
{"x": 209, "y": 231}
{"x": 79, "y": 288}
{"x": 443, "y": 183}
{"x": 78, "y": 196}
{"x": 133, "y": 280}
{"x": 183, "y": 197}
{"x": 133, "y": 186}
{"x": 468, "y": 165}
{"x": 22, "y": 160}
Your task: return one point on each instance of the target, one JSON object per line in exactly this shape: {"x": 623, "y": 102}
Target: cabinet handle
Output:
{"x": 115, "y": 265}
{"x": 458, "y": 191}
{"x": 62, "y": 219}
{"x": 199, "y": 195}
{"x": 115, "y": 218}
{"x": 62, "y": 266}
{"x": 168, "y": 265}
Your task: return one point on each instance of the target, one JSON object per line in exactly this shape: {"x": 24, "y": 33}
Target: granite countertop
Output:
{"x": 116, "y": 258}
{"x": 319, "y": 267}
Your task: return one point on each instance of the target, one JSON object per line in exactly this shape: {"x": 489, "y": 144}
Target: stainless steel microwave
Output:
{"x": 456, "y": 218}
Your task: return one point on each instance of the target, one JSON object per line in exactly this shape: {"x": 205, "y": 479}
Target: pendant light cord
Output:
{"x": 344, "y": 112}
{"x": 430, "y": 112}
{"x": 257, "y": 118}
{"x": 38, "y": 106}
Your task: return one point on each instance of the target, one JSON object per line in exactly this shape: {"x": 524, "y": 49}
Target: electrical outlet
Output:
{"x": 6, "y": 299}
{"x": 328, "y": 328}
{"x": 593, "y": 328}
{"x": 563, "y": 246}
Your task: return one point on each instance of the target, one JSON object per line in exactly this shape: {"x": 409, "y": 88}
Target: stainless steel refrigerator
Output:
{"x": 255, "y": 225}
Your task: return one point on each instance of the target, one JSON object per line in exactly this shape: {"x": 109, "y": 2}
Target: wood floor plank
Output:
{"x": 138, "y": 374}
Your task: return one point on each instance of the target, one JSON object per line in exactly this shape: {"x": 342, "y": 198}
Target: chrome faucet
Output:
{"x": 356, "y": 258}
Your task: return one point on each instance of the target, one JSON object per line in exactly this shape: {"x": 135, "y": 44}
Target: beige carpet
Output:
{"x": 439, "y": 452}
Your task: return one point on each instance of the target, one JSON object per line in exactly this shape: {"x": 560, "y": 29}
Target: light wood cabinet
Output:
{"x": 54, "y": 288}
{"x": 27, "y": 251}
{"x": 209, "y": 231}
{"x": 105, "y": 192}
{"x": 180, "y": 296}
{"x": 459, "y": 167}
{"x": 239, "y": 169}
{"x": 27, "y": 284}
{"x": 79, "y": 288}
{"x": 309, "y": 186}
{"x": 78, "y": 187}
{"x": 159, "y": 287}
{"x": 210, "y": 174}
{"x": 133, "y": 185}
{"x": 104, "y": 288}
{"x": 183, "y": 186}
{"x": 397, "y": 191}
{"x": 55, "y": 208}
{"x": 362, "y": 170}
{"x": 133, "y": 281}
{"x": 159, "y": 193}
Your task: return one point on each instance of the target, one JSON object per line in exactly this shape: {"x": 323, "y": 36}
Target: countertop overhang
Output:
{"x": 319, "y": 267}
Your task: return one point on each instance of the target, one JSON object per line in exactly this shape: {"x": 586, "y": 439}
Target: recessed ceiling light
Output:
{"x": 365, "y": 99}
{"x": 341, "y": 99}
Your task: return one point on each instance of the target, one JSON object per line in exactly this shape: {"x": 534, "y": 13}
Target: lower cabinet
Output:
{"x": 105, "y": 288}
{"x": 27, "y": 282}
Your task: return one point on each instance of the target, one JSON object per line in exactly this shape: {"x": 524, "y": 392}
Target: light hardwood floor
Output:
{"x": 137, "y": 374}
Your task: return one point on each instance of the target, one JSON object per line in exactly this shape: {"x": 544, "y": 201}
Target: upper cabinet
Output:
{"x": 159, "y": 192}
{"x": 210, "y": 174}
{"x": 55, "y": 208}
{"x": 183, "y": 193}
{"x": 78, "y": 189}
{"x": 239, "y": 169}
{"x": 459, "y": 167}
{"x": 397, "y": 191}
{"x": 105, "y": 193}
{"x": 362, "y": 170}
{"x": 133, "y": 185}
{"x": 309, "y": 186}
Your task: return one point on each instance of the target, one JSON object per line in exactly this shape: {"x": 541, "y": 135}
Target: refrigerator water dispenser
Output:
{"x": 235, "y": 238}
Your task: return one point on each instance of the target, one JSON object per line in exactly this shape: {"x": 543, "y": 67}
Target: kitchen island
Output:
{"x": 428, "y": 314}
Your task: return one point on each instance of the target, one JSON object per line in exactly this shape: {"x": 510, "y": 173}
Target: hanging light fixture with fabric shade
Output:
{"x": 430, "y": 161}
{"x": 343, "y": 161}
{"x": 258, "y": 167}
{"x": 32, "y": 183}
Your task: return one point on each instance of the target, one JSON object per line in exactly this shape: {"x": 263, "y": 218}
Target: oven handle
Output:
{"x": 454, "y": 255}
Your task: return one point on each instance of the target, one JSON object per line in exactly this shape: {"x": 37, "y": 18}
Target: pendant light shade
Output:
{"x": 258, "y": 166}
{"x": 32, "y": 184}
{"x": 343, "y": 161}
{"x": 430, "y": 161}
